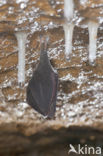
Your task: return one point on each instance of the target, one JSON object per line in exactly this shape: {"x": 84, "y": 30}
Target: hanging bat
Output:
{"x": 42, "y": 88}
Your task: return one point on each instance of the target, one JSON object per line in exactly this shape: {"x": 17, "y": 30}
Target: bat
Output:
{"x": 42, "y": 88}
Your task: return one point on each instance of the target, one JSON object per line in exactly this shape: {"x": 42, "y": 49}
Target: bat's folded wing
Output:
{"x": 42, "y": 93}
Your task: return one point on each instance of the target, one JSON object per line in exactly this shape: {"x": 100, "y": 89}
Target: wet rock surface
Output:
{"x": 80, "y": 92}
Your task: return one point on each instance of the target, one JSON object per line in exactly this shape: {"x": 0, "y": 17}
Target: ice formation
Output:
{"x": 92, "y": 28}
{"x": 68, "y": 26}
{"x": 68, "y": 30}
{"x": 21, "y": 39}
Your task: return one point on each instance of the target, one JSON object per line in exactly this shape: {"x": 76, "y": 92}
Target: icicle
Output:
{"x": 68, "y": 30}
{"x": 68, "y": 9}
{"x": 68, "y": 26}
{"x": 93, "y": 29}
{"x": 21, "y": 38}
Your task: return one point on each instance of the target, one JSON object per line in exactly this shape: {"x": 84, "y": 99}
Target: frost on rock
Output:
{"x": 80, "y": 97}
{"x": 83, "y": 2}
{"x": 23, "y": 5}
{"x": 2, "y": 2}
{"x": 21, "y": 1}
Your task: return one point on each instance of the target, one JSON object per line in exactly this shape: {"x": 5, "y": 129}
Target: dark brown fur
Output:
{"x": 42, "y": 88}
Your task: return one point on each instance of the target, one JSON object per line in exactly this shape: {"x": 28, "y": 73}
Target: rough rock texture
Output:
{"x": 79, "y": 115}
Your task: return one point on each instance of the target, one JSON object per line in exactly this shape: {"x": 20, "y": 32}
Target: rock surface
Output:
{"x": 79, "y": 111}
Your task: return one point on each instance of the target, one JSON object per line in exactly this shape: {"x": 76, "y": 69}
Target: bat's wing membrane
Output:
{"x": 42, "y": 93}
